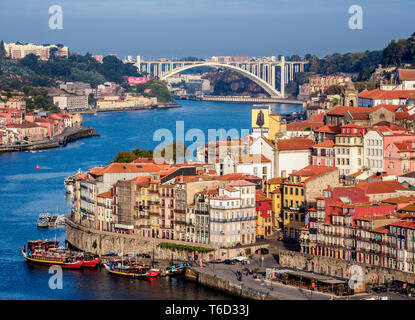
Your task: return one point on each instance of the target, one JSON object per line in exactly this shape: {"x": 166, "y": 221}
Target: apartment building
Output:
{"x": 349, "y": 149}
{"x": 232, "y": 215}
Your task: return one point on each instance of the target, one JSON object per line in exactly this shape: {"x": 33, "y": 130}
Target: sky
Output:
{"x": 203, "y": 28}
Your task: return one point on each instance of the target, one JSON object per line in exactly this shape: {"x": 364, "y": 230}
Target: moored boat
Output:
{"x": 91, "y": 263}
{"x": 48, "y": 259}
{"x": 132, "y": 271}
{"x": 43, "y": 220}
{"x": 49, "y": 253}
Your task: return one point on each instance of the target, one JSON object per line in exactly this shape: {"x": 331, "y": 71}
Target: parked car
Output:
{"x": 146, "y": 255}
{"x": 228, "y": 261}
{"x": 394, "y": 287}
{"x": 216, "y": 261}
{"x": 380, "y": 288}
{"x": 263, "y": 251}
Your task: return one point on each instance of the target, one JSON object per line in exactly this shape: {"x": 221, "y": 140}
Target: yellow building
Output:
{"x": 273, "y": 190}
{"x": 293, "y": 206}
{"x": 265, "y": 123}
{"x": 276, "y": 126}
{"x": 153, "y": 205}
{"x": 147, "y": 206}
{"x": 300, "y": 192}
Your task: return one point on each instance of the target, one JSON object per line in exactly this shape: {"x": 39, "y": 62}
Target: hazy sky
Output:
{"x": 177, "y": 28}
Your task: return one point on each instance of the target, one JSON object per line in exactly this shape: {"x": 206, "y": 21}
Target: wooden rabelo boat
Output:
{"x": 132, "y": 270}
{"x": 49, "y": 253}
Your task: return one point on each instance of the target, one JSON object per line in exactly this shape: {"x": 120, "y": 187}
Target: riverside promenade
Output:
{"x": 68, "y": 135}
{"x": 224, "y": 277}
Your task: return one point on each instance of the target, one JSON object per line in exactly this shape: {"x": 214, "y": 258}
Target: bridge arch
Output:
{"x": 274, "y": 93}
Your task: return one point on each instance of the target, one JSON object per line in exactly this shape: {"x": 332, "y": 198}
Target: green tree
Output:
{"x": 31, "y": 61}
{"x": 2, "y": 49}
{"x": 175, "y": 151}
{"x": 130, "y": 156}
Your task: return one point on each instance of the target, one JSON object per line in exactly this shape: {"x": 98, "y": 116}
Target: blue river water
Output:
{"x": 25, "y": 192}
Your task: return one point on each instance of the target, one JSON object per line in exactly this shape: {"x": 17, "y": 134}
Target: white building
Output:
{"x": 406, "y": 79}
{"x": 71, "y": 102}
{"x": 348, "y": 150}
{"x": 19, "y": 51}
{"x": 232, "y": 215}
{"x": 373, "y": 151}
{"x": 292, "y": 155}
{"x": 266, "y": 148}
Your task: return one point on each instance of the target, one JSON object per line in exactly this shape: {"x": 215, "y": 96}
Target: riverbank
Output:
{"x": 67, "y": 136}
{"x": 223, "y": 278}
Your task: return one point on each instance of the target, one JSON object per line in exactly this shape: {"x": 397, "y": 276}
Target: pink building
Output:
{"x": 12, "y": 115}
{"x": 52, "y": 126}
{"x": 166, "y": 194}
{"x": 400, "y": 157}
{"x": 29, "y": 130}
{"x": 323, "y": 154}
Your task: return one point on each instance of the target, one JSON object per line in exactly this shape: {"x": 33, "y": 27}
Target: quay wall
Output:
{"x": 56, "y": 142}
{"x": 103, "y": 242}
{"x": 339, "y": 268}
{"x": 217, "y": 283}
{"x": 164, "y": 105}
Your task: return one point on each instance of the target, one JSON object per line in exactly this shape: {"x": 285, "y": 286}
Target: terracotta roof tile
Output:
{"x": 294, "y": 144}
{"x": 378, "y": 187}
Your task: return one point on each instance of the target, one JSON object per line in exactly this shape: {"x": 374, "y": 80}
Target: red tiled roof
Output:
{"x": 240, "y": 183}
{"x": 381, "y": 187}
{"x": 405, "y": 146}
{"x": 107, "y": 194}
{"x": 312, "y": 172}
{"x": 230, "y": 189}
{"x": 294, "y": 144}
{"x": 128, "y": 168}
{"x": 387, "y": 94}
{"x": 237, "y": 176}
{"x": 260, "y": 196}
{"x": 141, "y": 180}
{"x": 324, "y": 144}
{"x": 341, "y": 110}
{"x": 404, "y": 224}
{"x": 407, "y": 74}
{"x": 329, "y": 129}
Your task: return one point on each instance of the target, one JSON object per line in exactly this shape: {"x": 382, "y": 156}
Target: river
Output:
{"x": 25, "y": 192}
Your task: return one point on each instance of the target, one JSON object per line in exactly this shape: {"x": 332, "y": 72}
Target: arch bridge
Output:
{"x": 262, "y": 72}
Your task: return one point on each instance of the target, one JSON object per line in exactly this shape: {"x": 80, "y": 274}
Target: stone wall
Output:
{"x": 339, "y": 268}
{"x": 103, "y": 242}
{"x": 214, "y": 282}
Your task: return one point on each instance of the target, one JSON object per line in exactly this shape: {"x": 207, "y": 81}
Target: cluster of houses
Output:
{"x": 340, "y": 184}
{"x": 18, "y": 126}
